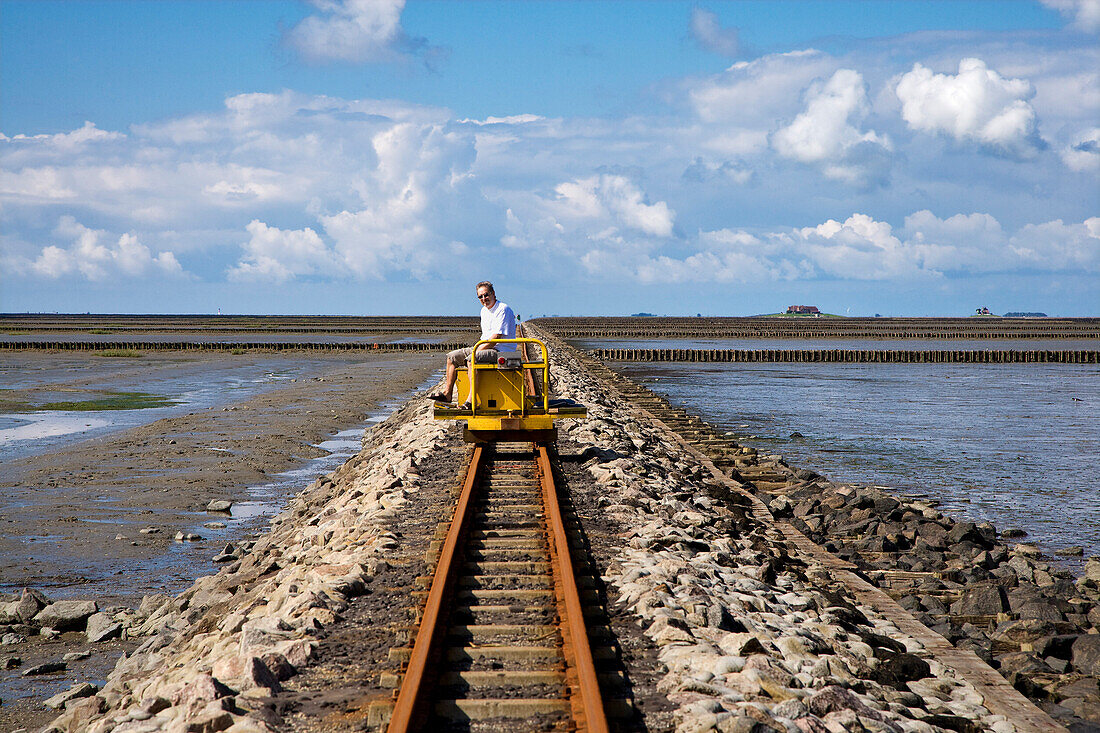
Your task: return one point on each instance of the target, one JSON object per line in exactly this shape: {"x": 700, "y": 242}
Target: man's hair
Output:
{"x": 486, "y": 284}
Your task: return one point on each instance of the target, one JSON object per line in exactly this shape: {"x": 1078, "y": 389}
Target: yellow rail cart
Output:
{"x": 508, "y": 402}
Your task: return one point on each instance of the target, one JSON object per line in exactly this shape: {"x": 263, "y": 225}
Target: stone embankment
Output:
{"x": 747, "y": 630}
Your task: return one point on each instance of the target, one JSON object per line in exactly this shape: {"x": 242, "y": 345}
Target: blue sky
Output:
{"x": 376, "y": 156}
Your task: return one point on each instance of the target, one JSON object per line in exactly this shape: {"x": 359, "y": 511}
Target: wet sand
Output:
{"x": 71, "y": 519}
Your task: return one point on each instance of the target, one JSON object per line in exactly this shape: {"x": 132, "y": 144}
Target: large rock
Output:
{"x": 1086, "y": 654}
{"x": 901, "y": 668}
{"x": 83, "y": 689}
{"x": 23, "y": 610}
{"x": 66, "y": 615}
{"x": 245, "y": 673}
{"x": 934, "y": 534}
{"x": 833, "y": 698}
{"x": 980, "y": 600}
{"x": 102, "y": 627}
{"x": 200, "y": 690}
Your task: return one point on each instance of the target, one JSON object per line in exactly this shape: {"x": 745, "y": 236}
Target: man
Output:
{"x": 497, "y": 322}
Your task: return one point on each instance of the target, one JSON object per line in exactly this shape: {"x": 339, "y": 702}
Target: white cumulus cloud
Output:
{"x": 602, "y": 211}
{"x": 92, "y": 256}
{"x": 277, "y": 255}
{"x": 1084, "y": 14}
{"x": 354, "y": 31}
{"x": 977, "y": 105}
{"x": 1083, "y": 152}
{"x": 824, "y": 133}
{"x": 710, "y": 34}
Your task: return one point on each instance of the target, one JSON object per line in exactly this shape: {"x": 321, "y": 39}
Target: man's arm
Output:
{"x": 491, "y": 346}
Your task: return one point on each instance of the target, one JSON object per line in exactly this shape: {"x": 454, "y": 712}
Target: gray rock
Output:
{"x": 102, "y": 627}
{"x": 10, "y": 663}
{"x": 900, "y": 669}
{"x": 1086, "y": 654}
{"x": 83, "y": 689}
{"x": 792, "y": 709}
{"x": 29, "y": 604}
{"x": 201, "y": 689}
{"x": 219, "y": 505}
{"x": 980, "y": 600}
{"x": 834, "y": 698}
{"x": 45, "y": 668}
{"x": 12, "y": 639}
{"x": 66, "y": 615}
{"x": 1041, "y": 611}
{"x": 1085, "y": 687}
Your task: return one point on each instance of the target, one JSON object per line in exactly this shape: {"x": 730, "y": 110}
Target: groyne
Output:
{"x": 224, "y": 346}
{"x": 859, "y": 356}
{"x": 851, "y": 356}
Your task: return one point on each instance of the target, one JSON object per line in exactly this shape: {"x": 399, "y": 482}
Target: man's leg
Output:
{"x": 455, "y": 361}
{"x": 484, "y": 356}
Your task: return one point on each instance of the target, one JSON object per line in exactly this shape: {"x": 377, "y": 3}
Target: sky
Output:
{"x": 893, "y": 157}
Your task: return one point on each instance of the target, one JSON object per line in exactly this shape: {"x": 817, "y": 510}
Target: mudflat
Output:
{"x": 72, "y": 517}
{"x": 64, "y": 509}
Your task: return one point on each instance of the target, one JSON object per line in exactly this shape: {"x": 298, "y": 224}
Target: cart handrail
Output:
{"x": 545, "y": 366}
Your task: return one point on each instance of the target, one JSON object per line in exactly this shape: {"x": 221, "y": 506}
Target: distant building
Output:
{"x": 1019, "y": 314}
{"x": 983, "y": 312}
{"x": 803, "y": 310}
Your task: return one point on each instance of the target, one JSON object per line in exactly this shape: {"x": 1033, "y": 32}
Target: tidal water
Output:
{"x": 1015, "y": 444}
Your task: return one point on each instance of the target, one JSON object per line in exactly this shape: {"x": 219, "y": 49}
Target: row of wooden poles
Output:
{"x": 859, "y": 356}
{"x": 223, "y": 346}
{"x": 832, "y": 333}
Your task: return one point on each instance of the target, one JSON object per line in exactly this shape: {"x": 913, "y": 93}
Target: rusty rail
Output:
{"x": 583, "y": 701}
{"x": 427, "y": 638}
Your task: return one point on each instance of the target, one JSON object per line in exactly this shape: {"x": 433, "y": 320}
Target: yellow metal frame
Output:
{"x": 523, "y": 367}
{"x": 515, "y": 416}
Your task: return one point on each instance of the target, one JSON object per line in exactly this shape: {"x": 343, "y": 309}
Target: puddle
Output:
{"x": 47, "y": 424}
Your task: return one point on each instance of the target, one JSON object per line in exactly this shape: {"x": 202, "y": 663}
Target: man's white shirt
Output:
{"x": 499, "y": 319}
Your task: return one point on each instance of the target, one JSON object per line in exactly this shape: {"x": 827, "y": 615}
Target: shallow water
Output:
{"x": 223, "y": 338}
{"x": 1015, "y": 444}
{"x": 176, "y": 569}
{"x": 191, "y": 385}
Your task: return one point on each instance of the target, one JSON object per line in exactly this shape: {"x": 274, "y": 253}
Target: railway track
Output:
{"x": 502, "y": 642}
